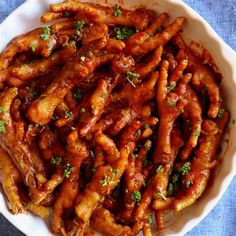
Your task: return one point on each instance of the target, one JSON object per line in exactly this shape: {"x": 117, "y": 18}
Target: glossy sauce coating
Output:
{"x": 108, "y": 117}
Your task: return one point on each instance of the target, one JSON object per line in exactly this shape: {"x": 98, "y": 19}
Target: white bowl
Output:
{"x": 27, "y": 16}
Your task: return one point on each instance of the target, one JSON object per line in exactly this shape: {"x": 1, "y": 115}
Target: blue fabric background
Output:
{"x": 221, "y": 15}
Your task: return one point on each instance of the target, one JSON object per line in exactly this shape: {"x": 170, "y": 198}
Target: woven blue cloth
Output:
{"x": 221, "y": 15}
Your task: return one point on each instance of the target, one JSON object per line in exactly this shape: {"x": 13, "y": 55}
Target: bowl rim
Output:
{"x": 229, "y": 51}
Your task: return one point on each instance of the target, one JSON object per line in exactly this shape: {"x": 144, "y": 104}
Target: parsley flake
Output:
{"x": 136, "y": 196}
{"x": 117, "y": 11}
{"x": 68, "y": 170}
{"x": 78, "y": 95}
{"x": 130, "y": 76}
{"x": 196, "y": 133}
{"x": 2, "y": 126}
{"x": 159, "y": 168}
{"x": 149, "y": 220}
{"x": 173, "y": 184}
{"x": 171, "y": 86}
{"x": 116, "y": 171}
{"x": 67, "y": 45}
{"x": 78, "y": 26}
{"x": 171, "y": 103}
{"x": 170, "y": 189}
{"x": 161, "y": 194}
{"x": 68, "y": 115}
{"x": 221, "y": 113}
{"x": 107, "y": 180}
{"x": 187, "y": 183}
{"x": 55, "y": 117}
{"x": 1, "y": 110}
{"x": 32, "y": 47}
{"x": 83, "y": 110}
{"x": 185, "y": 168}
{"x": 138, "y": 133}
{"x": 134, "y": 155}
{"x": 56, "y": 160}
{"x": 175, "y": 178}
{"x": 122, "y": 33}
{"x": 46, "y": 33}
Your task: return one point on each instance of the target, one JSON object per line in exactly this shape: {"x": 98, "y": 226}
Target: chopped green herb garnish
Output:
{"x": 130, "y": 76}
{"x": 175, "y": 178}
{"x": 34, "y": 94}
{"x": 161, "y": 194}
{"x": 2, "y": 126}
{"x": 147, "y": 146}
{"x": 83, "y": 110}
{"x": 138, "y": 133}
{"x": 221, "y": 113}
{"x": 173, "y": 184}
{"x": 122, "y": 33}
{"x": 170, "y": 189}
{"x": 117, "y": 11}
{"x": 56, "y": 160}
{"x": 146, "y": 126}
{"x": 55, "y": 117}
{"x": 134, "y": 155}
{"x": 196, "y": 133}
{"x": 68, "y": 115}
{"x": 66, "y": 13}
{"x": 1, "y": 110}
{"x": 78, "y": 95}
{"x": 171, "y": 103}
{"x": 116, "y": 171}
{"x": 131, "y": 82}
{"x": 67, "y": 45}
{"x": 68, "y": 170}
{"x": 136, "y": 196}
{"x": 46, "y": 33}
{"x": 187, "y": 183}
{"x": 37, "y": 125}
{"x": 185, "y": 168}
{"x": 171, "y": 86}
{"x": 159, "y": 168}
{"x": 107, "y": 180}
{"x": 149, "y": 220}
{"x": 32, "y": 47}
{"x": 78, "y": 26}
